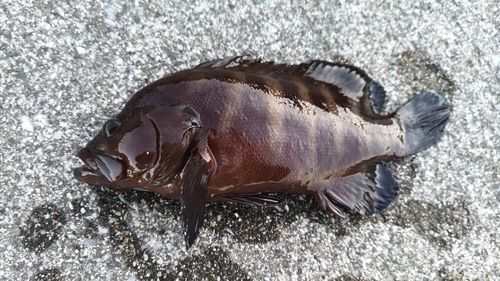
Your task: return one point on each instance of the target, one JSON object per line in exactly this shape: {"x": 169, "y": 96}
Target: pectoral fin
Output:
{"x": 194, "y": 185}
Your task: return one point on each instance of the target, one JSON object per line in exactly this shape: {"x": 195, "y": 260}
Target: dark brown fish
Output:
{"x": 236, "y": 130}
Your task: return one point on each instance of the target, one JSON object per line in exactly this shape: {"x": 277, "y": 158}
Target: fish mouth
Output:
{"x": 98, "y": 169}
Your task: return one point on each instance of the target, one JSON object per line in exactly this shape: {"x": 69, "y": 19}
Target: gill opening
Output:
{"x": 151, "y": 172}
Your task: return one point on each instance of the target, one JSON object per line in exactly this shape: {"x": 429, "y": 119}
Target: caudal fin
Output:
{"x": 423, "y": 119}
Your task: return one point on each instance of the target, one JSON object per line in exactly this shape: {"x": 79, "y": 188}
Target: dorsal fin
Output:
{"x": 353, "y": 82}
{"x": 242, "y": 63}
{"x": 345, "y": 77}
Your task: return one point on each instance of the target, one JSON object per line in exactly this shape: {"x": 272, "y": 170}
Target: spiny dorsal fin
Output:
{"x": 353, "y": 82}
{"x": 242, "y": 63}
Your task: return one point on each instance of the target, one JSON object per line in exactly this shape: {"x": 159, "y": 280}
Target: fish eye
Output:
{"x": 111, "y": 127}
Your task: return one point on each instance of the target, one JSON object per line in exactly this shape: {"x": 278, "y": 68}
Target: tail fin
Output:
{"x": 423, "y": 119}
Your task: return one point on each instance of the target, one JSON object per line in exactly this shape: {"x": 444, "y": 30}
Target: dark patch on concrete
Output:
{"x": 50, "y": 274}
{"x": 149, "y": 200}
{"x": 42, "y": 228}
{"x": 113, "y": 214}
{"x": 337, "y": 58}
{"x": 445, "y": 274}
{"x": 212, "y": 264}
{"x": 439, "y": 224}
{"x": 253, "y": 224}
{"x": 80, "y": 206}
{"x": 83, "y": 209}
{"x": 422, "y": 73}
{"x": 249, "y": 224}
{"x": 90, "y": 229}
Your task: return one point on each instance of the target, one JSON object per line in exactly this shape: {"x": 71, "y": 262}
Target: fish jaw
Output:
{"x": 98, "y": 169}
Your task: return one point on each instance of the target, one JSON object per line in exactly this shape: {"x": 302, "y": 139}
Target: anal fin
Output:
{"x": 366, "y": 192}
{"x": 194, "y": 186}
{"x": 256, "y": 199}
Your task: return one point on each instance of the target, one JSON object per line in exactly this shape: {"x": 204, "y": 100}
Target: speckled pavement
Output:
{"x": 67, "y": 66}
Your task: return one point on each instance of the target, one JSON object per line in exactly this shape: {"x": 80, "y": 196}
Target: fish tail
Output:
{"x": 423, "y": 119}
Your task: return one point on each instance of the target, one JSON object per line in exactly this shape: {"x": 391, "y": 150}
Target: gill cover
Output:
{"x": 175, "y": 124}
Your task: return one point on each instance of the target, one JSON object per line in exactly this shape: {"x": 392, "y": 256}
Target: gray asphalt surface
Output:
{"x": 67, "y": 66}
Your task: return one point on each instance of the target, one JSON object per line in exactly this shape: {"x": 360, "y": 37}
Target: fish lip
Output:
{"x": 88, "y": 172}
{"x": 84, "y": 173}
{"x": 97, "y": 168}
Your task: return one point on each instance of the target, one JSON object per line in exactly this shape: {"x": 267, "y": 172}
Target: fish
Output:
{"x": 243, "y": 130}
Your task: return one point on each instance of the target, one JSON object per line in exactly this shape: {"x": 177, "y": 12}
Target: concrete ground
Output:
{"x": 67, "y": 66}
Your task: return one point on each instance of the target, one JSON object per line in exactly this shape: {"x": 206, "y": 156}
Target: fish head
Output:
{"x": 142, "y": 146}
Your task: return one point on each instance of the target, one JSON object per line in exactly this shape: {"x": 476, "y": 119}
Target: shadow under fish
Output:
{"x": 237, "y": 130}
